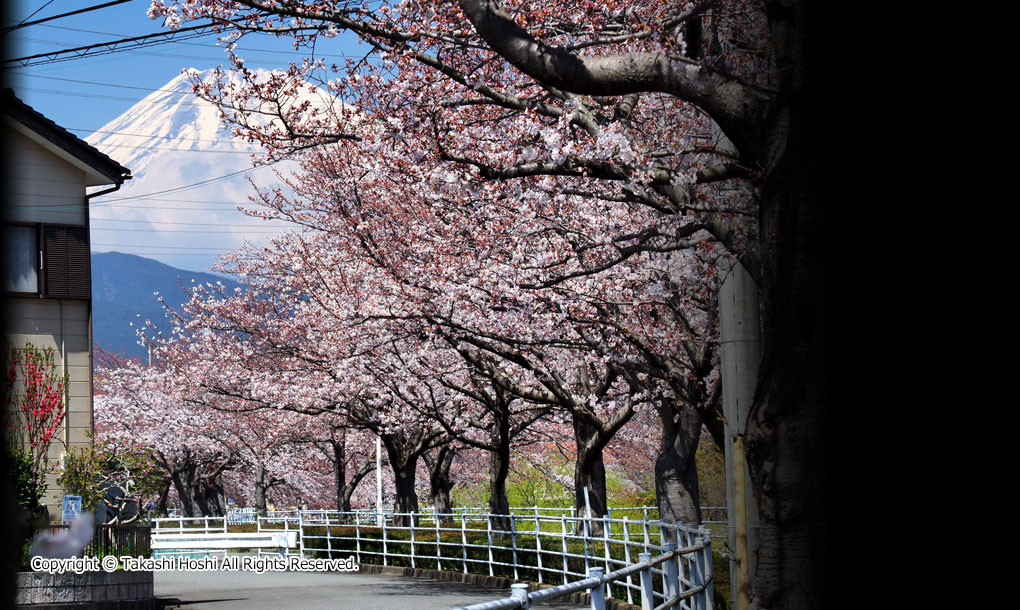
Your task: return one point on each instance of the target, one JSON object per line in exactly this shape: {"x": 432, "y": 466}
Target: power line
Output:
{"x": 190, "y": 186}
{"x": 140, "y": 135}
{"x": 207, "y": 46}
{"x": 150, "y": 246}
{"x": 35, "y": 12}
{"x": 150, "y": 231}
{"x": 170, "y": 222}
{"x": 113, "y": 46}
{"x": 62, "y": 15}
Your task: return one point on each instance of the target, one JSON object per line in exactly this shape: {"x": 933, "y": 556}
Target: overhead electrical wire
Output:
{"x": 61, "y": 16}
{"x": 185, "y": 231}
{"x": 171, "y": 222}
{"x": 207, "y": 46}
{"x": 35, "y": 12}
{"x": 103, "y": 48}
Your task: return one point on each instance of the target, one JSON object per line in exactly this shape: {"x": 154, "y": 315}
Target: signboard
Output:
{"x": 241, "y": 515}
{"x": 71, "y": 509}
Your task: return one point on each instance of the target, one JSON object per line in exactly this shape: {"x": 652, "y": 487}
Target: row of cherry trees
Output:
{"x": 523, "y": 207}
{"x": 399, "y": 311}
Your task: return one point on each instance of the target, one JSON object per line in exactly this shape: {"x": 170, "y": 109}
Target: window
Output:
{"x": 21, "y": 255}
{"x": 48, "y": 260}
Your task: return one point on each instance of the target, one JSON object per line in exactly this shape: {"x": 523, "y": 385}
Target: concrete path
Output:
{"x": 227, "y": 590}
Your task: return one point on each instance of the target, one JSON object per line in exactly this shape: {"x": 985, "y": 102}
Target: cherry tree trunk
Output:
{"x": 590, "y": 474}
{"x": 343, "y": 499}
{"x": 184, "y": 482}
{"x": 676, "y": 470}
{"x": 356, "y": 480}
{"x": 209, "y": 497}
{"x": 261, "y": 487}
{"x": 499, "y": 469}
{"x": 164, "y": 496}
{"x": 788, "y": 438}
{"x": 406, "y": 500}
{"x": 439, "y": 480}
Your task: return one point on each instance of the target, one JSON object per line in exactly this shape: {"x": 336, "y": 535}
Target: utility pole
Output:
{"x": 740, "y": 347}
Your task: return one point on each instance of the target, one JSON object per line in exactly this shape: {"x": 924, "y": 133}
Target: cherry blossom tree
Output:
{"x": 138, "y": 405}
{"x": 737, "y": 68}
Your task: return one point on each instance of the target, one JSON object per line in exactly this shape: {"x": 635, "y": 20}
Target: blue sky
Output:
{"x": 85, "y": 93}
{"x": 76, "y": 103}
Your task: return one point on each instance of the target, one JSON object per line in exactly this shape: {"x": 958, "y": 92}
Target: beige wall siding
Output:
{"x": 63, "y": 325}
{"x": 42, "y": 187}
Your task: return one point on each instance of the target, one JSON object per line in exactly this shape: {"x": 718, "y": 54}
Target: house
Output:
{"x": 47, "y": 284}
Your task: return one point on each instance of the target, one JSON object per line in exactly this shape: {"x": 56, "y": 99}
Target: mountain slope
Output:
{"x": 190, "y": 176}
{"x": 123, "y": 287}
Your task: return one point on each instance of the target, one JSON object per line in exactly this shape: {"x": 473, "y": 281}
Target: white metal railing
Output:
{"x": 211, "y": 535}
{"x": 618, "y": 558}
{"x": 545, "y": 548}
{"x": 693, "y": 593}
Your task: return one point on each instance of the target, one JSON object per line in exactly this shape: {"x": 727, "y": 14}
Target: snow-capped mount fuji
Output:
{"x": 190, "y": 175}
{"x": 170, "y": 119}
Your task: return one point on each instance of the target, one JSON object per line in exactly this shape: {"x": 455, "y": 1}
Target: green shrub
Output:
{"x": 29, "y": 483}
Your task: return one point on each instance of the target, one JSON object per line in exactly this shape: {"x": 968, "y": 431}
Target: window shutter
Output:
{"x": 66, "y": 262}
{"x": 54, "y": 261}
{"x": 78, "y": 284}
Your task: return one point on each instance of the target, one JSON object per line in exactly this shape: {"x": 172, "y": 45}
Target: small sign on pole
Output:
{"x": 71, "y": 509}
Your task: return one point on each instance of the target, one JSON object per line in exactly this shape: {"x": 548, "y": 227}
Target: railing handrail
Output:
{"x": 598, "y": 551}
{"x": 596, "y": 580}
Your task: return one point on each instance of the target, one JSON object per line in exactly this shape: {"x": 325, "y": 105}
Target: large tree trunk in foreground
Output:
{"x": 788, "y": 439}
{"x": 676, "y": 470}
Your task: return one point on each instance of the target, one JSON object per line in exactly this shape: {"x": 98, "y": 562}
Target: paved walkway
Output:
{"x": 226, "y": 590}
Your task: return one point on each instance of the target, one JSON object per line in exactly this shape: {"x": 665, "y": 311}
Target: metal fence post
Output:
{"x": 697, "y": 578}
{"x": 329, "y": 540}
{"x": 488, "y": 531}
{"x": 598, "y": 592}
{"x": 538, "y": 545}
{"x": 513, "y": 542}
{"x": 707, "y": 573}
{"x": 357, "y": 534}
{"x": 606, "y": 539}
{"x": 385, "y": 551}
{"x": 439, "y": 546}
{"x": 647, "y": 597}
{"x": 683, "y": 539}
{"x": 672, "y": 588}
{"x": 563, "y": 530}
{"x": 412, "y": 539}
{"x": 626, "y": 558}
{"x": 520, "y": 591}
{"x": 647, "y": 540}
{"x": 463, "y": 538}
